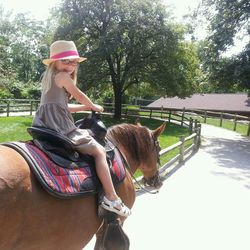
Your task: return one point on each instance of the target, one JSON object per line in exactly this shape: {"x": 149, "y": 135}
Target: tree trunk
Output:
{"x": 117, "y": 85}
{"x": 118, "y": 104}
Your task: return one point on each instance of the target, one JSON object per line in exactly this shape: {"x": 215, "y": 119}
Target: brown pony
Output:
{"x": 31, "y": 219}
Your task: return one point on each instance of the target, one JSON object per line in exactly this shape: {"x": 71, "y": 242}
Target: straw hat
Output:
{"x": 61, "y": 50}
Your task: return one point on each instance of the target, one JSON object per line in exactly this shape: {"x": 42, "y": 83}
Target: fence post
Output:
{"x": 190, "y": 125}
{"x": 169, "y": 117}
{"x": 150, "y": 115}
{"x": 248, "y": 130}
{"x": 221, "y": 118}
{"x": 182, "y": 116}
{"x": 8, "y": 108}
{"x": 197, "y": 139}
{"x": 126, "y": 112}
{"x": 195, "y": 123}
{"x": 199, "y": 135}
{"x": 161, "y": 111}
{"x": 31, "y": 107}
{"x": 235, "y": 121}
{"x": 181, "y": 157}
{"x": 205, "y": 117}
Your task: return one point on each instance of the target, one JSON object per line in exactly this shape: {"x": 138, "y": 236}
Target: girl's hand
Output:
{"x": 97, "y": 108}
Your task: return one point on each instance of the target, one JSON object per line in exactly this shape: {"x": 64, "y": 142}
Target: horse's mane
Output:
{"x": 136, "y": 139}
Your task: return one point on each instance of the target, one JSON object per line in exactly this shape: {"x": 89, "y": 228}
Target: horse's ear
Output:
{"x": 137, "y": 122}
{"x": 157, "y": 132}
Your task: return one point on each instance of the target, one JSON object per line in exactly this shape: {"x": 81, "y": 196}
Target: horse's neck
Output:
{"x": 131, "y": 164}
{"x": 124, "y": 136}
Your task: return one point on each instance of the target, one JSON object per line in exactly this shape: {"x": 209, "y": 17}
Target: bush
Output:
{"x": 5, "y": 94}
{"x": 32, "y": 91}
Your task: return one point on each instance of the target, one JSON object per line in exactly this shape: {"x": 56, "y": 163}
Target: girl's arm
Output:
{"x": 77, "y": 107}
{"x": 63, "y": 80}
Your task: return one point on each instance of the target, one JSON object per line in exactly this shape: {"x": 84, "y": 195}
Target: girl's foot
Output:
{"x": 115, "y": 206}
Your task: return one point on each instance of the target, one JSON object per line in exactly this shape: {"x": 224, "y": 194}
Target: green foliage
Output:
{"x": 177, "y": 70}
{"x": 5, "y": 94}
{"x": 129, "y": 43}
{"x": 227, "y": 20}
{"x": 23, "y": 44}
{"x": 32, "y": 91}
{"x": 21, "y": 90}
{"x": 241, "y": 66}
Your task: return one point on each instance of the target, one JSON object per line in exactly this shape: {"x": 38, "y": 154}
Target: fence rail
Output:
{"x": 183, "y": 116}
{"x": 8, "y": 106}
{"x": 27, "y": 106}
{"x": 183, "y": 152}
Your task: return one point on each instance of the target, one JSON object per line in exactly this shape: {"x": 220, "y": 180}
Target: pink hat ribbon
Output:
{"x": 65, "y": 54}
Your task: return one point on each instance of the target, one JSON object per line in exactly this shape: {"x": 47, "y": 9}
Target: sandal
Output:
{"x": 113, "y": 206}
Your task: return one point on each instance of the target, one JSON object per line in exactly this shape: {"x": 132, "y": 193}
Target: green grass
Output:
{"x": 14, "y": 129}
{"x": 227, "y": 124}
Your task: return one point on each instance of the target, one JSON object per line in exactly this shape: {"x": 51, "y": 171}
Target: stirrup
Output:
{"x": 113, "y": 207}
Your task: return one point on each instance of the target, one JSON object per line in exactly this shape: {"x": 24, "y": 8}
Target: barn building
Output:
{"x": 229, "y": 103}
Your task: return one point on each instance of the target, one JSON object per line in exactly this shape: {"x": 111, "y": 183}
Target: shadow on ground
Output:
{"x": 232, "y": 157}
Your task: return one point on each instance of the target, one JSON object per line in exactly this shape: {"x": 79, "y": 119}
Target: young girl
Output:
{"x": 58, "y": 83}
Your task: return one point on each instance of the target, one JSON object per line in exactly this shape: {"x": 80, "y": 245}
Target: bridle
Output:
{"x": 154, "y": 180}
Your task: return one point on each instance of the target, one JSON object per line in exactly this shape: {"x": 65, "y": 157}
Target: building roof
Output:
{"x": 215, "y": 102}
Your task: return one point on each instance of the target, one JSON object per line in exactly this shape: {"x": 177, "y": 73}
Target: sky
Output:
{"x": 40, "y": 10}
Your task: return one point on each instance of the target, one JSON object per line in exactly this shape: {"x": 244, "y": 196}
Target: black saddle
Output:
{"x": 62, "y": 150}
{"x": 96, "y": 126}
{"x": 54, "y": 143}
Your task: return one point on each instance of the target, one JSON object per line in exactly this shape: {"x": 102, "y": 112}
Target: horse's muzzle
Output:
{"x": 155, "y": 181}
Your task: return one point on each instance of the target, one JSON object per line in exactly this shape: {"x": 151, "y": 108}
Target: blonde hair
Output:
{"x": 49, "y": 75}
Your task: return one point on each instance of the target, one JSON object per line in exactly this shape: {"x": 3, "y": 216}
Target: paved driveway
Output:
{"x": 204, "y": 205}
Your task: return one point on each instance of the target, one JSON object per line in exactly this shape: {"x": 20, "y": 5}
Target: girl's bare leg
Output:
{"x": 111, "y": 201}
{"x": 103, "y": 173}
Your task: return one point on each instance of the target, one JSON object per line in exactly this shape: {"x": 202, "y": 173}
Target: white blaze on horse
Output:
{"x": 30, "y": 218}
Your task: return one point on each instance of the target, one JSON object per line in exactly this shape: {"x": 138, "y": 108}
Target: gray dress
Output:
{"x": 53, "y": 113}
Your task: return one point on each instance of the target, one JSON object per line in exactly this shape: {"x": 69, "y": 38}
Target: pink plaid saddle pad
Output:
{"x": 66, "y": 182}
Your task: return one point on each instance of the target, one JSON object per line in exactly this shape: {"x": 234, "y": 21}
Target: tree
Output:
{"x": 227, "y": 20}
{"x": 7, "y": 73}
{"x": 25, "y": 49}
{"x": 23, "y": 45}
{"x": 6, "y": 29}
{"x": 127, "y": 43}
